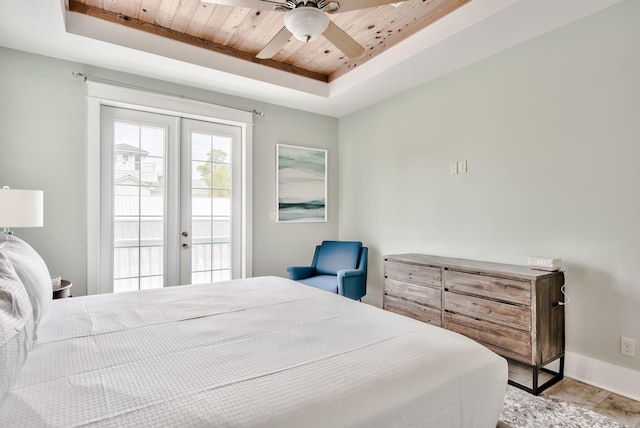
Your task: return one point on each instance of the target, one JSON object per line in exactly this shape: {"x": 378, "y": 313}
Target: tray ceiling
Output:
{"x": 242, "y": 32}
{"x": 103, "y": 47}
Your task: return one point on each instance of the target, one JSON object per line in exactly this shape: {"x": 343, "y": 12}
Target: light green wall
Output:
{"x": 551, "y": 133}
{"x": 43, "y": 139}
{"x": 42, "y": 146}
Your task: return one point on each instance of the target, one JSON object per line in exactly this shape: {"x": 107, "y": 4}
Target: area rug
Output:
{"x": 523, "y": 410}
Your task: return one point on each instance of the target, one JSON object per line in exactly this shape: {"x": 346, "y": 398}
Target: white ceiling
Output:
{"x": 475, "y": 31}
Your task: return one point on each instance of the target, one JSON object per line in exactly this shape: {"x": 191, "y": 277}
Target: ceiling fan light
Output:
{"x": 306, "y": 23}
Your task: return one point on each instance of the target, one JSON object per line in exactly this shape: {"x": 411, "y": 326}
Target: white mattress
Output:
{"x": 260, "y": 352}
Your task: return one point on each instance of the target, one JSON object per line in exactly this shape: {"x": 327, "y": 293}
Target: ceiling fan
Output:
{"x": 307, "y": 20}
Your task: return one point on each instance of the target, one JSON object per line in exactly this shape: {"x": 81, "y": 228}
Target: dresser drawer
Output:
{"x": 518, "y": 317}
{"x": 505, "y": 289}
{"x": 414, "y": 292}
{"x": 504, "y": 340}
{"x": 413, "y": 310}
{"x": 406, "y": 272}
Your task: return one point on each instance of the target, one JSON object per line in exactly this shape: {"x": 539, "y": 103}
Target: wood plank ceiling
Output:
{"x": 243, "y": 32}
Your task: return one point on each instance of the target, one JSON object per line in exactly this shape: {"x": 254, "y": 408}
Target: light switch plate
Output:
{"x": 462, "y": 167}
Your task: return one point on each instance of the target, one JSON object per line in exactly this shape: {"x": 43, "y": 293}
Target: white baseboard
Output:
{"x": 620, "y": 380}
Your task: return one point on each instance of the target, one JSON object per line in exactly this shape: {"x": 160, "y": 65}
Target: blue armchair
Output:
{"x": 337, "y": 266}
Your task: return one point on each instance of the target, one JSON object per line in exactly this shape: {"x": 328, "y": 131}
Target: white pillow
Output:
{"x": 16, "y": 325}
{"x": 32, "y": 272}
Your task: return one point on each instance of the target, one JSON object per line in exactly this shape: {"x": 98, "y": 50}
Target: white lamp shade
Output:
{"x": 306, "y": 23}
{"x": 21, "y": 208}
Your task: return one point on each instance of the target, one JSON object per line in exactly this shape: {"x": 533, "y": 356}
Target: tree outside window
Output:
{"x": 216, "y": 172}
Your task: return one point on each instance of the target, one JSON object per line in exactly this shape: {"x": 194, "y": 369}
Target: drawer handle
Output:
{"x": 508, "y": 287}
{"x": 489, "y": 312}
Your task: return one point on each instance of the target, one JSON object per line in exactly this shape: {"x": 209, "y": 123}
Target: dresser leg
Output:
{"x": 536, "y": 388}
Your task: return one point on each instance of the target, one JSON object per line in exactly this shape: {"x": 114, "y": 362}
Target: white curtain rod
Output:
{"x": 85, "y": 78}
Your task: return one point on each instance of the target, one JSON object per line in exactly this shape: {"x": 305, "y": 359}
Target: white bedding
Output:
{"x": 260, "y": 352}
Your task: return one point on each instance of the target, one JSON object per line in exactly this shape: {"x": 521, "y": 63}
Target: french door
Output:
{"x": 170, "y": 200}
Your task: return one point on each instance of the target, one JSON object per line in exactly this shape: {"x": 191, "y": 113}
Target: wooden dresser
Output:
{"x": 512, "y": 310}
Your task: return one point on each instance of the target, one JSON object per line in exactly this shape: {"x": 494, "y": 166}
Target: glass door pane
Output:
{"x": 211, "y": 207}
{"x": 138, "y": 205}
{"x": 210, "y": 185}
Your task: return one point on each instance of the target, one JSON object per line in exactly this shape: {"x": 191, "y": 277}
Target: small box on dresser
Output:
{"x": 513, "y": 310}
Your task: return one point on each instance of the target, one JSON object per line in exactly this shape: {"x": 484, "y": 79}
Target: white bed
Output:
{"x": 260, "y": 352}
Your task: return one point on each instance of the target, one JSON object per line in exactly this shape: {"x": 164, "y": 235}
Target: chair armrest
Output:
{"x": 352, "y": 283}
{"x": 300, "y": 272}
{"x": 350, "y": 272}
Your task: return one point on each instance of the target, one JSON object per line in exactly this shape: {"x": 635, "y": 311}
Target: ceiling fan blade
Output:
{"x": 343, "y": 41}
{"x": 275, "y": 44}
{"x": 253, "y": 4}
{"x": 347, "y": 5}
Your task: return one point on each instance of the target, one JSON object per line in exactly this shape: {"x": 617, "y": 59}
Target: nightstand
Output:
{"x": 63, "y": 290}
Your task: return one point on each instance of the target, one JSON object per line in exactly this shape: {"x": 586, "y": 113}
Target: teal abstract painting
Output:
{"x": 302, "y": 184}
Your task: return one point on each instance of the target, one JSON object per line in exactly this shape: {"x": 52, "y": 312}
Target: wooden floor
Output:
{"x": 622, "y": 409}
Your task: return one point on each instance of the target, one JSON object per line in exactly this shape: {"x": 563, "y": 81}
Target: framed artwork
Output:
{"x": 301, "y": 186}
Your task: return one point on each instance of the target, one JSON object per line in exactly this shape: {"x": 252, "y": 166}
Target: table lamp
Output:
{"x": 19, "y": 208}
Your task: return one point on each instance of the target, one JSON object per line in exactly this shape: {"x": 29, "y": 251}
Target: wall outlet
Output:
{"x": 627, "y": 347}
{"x": 462, "y": 167}
{"x": 453, "y": 168}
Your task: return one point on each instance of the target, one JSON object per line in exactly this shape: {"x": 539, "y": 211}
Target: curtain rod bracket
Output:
{"x": 79, "y": 75}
